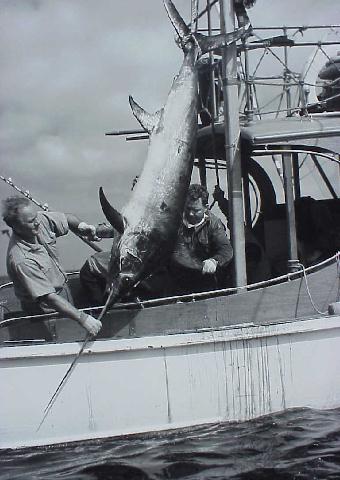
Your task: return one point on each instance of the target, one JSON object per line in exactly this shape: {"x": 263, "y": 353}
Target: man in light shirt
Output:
{"x": 33, "y": 264}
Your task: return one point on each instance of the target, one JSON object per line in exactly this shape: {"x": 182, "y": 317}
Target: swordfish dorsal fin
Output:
{"x": 113, "y": 216}
{"x": 147, "y": 120}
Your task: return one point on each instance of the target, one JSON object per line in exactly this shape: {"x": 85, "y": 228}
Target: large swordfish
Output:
{"x": 149, "y": 222}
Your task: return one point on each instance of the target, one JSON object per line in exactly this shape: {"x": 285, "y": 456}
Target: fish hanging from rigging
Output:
{"x": 149, "y": 222}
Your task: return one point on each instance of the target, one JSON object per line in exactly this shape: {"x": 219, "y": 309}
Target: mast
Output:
{"x": 232, "y": 144}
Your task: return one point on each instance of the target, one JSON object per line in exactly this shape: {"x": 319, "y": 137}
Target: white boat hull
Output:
{"x": 157, "y": 383}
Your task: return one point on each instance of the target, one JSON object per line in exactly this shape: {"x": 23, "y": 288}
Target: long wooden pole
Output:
{"x": 232, "y": 144}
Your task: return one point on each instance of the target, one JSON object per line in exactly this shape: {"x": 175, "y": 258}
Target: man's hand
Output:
{"x": 88, "y": 231}
{"x": 91, "y": 324}
{"x": 209, "y": 266}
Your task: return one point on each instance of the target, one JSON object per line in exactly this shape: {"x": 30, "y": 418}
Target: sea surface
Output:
{"x": 297, "y": 444}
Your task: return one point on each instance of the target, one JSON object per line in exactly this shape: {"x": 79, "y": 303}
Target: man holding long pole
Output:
{"x": 33, "y": 264}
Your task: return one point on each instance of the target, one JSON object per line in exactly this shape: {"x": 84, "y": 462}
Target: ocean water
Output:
{"x": 297, "y": 444}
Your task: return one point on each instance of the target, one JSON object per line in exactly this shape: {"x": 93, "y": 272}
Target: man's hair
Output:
{"x": 11, "y": 207}
{"x": 196, "y": 192}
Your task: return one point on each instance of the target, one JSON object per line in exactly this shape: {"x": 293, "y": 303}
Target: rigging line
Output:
{"x": 309, "y": 292}
{"x": 296, "y": 150}
{"x": 319, "y": 48}
{"x": 271, "y": 100}
{"x": 242, "y": 100}
{"x": 297, "y": 84}
{"x": 67, "y": 375}
{"x": 280, "y": 103}
{"x": 273, "y": 84}
{"x": 295, "y": 109}
{"x": 311, "y": 63}
{"x": 324, "y": 176}
{"x": 260, "y": 61}
{"x": 311, "y": 170}
{"x": 280, "y": 61}
{"x": 278, "y": 167}
{"x": 257, "y": 101}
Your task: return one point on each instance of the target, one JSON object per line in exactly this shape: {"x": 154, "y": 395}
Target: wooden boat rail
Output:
{"x": 302, "y": 273}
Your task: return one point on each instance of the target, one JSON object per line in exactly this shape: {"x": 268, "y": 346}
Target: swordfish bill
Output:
{"x": 153, "y": 213}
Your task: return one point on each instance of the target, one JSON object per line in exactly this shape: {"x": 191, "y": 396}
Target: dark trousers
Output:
{"x": 37, "y": 329}
{"x": 186, "y": 281}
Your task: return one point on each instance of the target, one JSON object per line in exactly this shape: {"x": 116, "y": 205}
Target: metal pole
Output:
{"x": 212, "y": 75}
{"x": 249, "y": 99}
{"x": 290, "y": 210}
{"x": 286, "y": 76}
{"x": 213, "y": 111}
{"x": 202, "y": 171}
{"x": 296, "y": 175}
{"x": 126, "y": 132}
{"x": 254, "y": 46}
{"x": 232, "y": 144}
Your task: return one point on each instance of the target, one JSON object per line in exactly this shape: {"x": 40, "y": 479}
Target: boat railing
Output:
{"x": 301, "y": 272}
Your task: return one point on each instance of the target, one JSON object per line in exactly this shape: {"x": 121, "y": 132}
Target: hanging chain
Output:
{"x": 44, "y": 206}
{"x": 25, "y": 193}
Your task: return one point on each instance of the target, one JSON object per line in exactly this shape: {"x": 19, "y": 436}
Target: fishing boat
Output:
{"x": 269, "y": 342}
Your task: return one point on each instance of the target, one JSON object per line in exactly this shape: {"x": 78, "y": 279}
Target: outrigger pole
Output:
{"x": 232, "y": 144}
{"x": 44, "y": 206}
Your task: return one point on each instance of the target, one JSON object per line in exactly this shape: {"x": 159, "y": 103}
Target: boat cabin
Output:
{"x": 291, "y": 186}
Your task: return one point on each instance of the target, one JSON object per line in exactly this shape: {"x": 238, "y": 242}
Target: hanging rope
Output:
{"x": 337, "y": 257}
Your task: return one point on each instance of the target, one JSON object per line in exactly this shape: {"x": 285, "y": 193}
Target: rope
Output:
{"x": 337, "y": 256}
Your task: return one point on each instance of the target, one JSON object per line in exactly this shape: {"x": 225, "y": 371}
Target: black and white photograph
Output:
{"x": 170, "y": 240}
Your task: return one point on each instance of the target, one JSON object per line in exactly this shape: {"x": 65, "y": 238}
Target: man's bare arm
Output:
{"x": 65, "y": 308}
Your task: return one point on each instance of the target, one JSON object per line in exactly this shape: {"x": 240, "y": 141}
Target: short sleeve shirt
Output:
{"x": 35, "y": 268}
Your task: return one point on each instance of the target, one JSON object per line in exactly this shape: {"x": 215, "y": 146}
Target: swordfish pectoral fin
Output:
{"x": 213, "y": 42}
{"x": 115, "y": 218}
{"x": 206, "y": 43}
{"x": 147, "y": 120}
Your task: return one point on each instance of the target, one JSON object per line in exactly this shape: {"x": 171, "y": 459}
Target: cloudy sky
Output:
{"x": 67, "y": 68}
